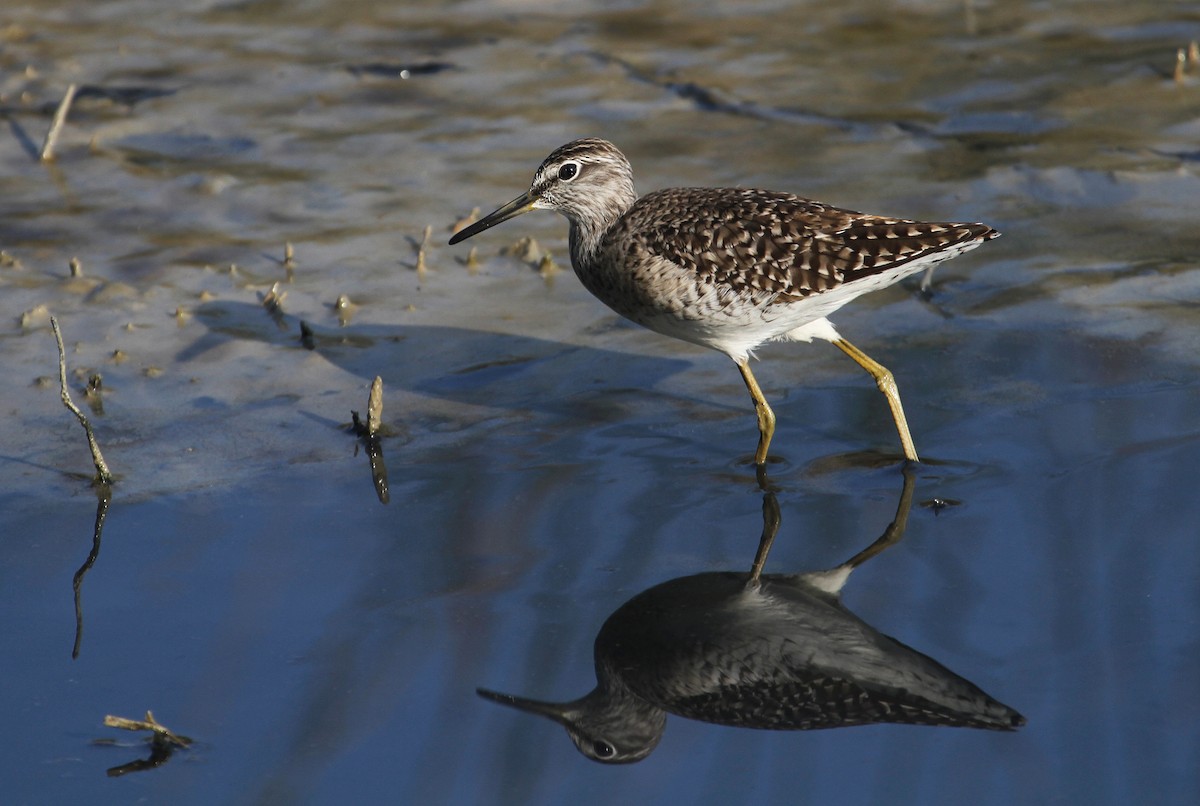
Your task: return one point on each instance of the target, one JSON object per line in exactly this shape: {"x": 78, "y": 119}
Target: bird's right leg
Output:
{"x": 887, "y": 384}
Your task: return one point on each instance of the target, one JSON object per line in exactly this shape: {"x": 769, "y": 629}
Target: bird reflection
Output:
{"x": 754, "y": 650}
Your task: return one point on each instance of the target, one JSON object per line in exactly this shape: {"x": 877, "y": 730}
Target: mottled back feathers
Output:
{"x": 776, "y": 242}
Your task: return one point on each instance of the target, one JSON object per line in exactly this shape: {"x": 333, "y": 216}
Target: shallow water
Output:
{"x": 547, "y": 462}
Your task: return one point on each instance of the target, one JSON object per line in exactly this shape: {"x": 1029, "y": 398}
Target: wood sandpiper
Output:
{"x": 766, "y": 651}
{"x": 729, "y": 268}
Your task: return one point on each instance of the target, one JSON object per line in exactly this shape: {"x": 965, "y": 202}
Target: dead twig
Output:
{"x": 161, "y": 732}
{"x": 369, "y": 433}
{"x": 375, "y": 407}
{"x": 272, "y": 303}
{"x": 60, "y": 118}
{"x": 103, "y": 476}
{"x": 421, "y": 250}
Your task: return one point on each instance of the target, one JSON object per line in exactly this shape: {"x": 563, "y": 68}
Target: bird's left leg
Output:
{"x": 766, "y": 417}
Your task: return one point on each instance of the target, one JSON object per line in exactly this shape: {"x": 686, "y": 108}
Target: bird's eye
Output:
{"x": 568, "y": 171}
{"x": 603, "y": 749}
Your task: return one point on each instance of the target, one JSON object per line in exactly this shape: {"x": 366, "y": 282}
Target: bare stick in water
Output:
{"x": 102, "y": 474}
{"x": 60, "y": 117}
{"x": 370, "y": 433}
{"x": 161, "y": 731}
{"x": 375, "y": 407}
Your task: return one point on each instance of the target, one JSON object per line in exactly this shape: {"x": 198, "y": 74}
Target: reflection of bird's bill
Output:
{"x": 522, "y": 204}
{"x": 556, "y": 711}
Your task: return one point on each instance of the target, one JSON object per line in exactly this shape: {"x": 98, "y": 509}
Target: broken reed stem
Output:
{"x": 102, "y": 474}
{"x": 60, "y": 118}
{"x": 421, "y": 250}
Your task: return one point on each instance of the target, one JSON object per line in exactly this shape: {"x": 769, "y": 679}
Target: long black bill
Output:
{"x": 552, "y": 710}
{"x": 521, "y": 204}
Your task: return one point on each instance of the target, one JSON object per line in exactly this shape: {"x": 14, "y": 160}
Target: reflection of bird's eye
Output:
{"x": 568, "y": 171}
{"x": 603, "y": 749}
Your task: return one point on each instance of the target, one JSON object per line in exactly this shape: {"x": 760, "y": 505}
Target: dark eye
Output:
{"x": 568, "y": 171}
{"x": 601, "y": 748}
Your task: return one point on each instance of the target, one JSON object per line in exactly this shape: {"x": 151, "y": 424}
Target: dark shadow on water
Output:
{"x": 474, "y": 367}
{"x": 453, "y": 378}
{"x": 753, "y": 650}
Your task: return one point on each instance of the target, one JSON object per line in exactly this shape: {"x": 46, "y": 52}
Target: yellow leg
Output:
{"x": 766, "y": 417}
{"x": 887, "y": 385}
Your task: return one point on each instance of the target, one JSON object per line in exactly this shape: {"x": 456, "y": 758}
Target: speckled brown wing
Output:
{"x": 778, "y": 243}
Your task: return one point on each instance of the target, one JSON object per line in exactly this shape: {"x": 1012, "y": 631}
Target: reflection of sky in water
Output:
{"x": 549, "y": 463}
